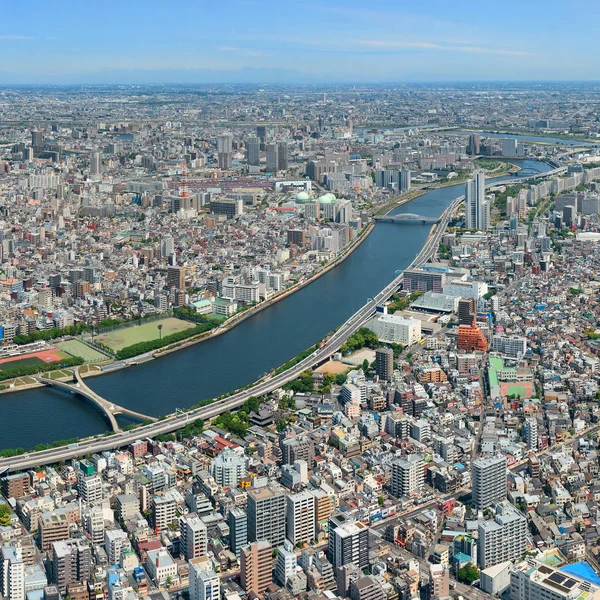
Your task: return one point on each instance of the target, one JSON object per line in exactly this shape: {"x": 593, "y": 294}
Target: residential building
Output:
{"x": 256, "y": 565}
{"x": 408, "y": 476}
{"x": 266, "y": 515}
{"x": 300, "y": 522}
{"x": 488, "y": 477}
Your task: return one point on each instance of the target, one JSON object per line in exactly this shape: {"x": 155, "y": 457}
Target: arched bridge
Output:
{"x": 109, "y": 409}
{"x": 407, "y": 218}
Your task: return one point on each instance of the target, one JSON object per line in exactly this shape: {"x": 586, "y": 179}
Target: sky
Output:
{"x": 88, "y": 41}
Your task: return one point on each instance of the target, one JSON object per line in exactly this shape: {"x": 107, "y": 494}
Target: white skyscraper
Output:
{"x": 476, "y": 206}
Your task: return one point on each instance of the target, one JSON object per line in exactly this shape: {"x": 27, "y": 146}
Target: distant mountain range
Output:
{"x": 167, "y": 76}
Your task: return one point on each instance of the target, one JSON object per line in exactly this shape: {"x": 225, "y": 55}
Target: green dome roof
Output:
{"x": 302, "y": 198}
{"x": 328, "y": 198}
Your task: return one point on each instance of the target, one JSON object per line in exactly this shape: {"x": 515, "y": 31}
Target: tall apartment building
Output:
{"x": 228, "y": 467}
{"x": 282, "y": 156}
{"x": 128, "y": 507}
{"x": 204, "y": 582}
{"x": 384, "y": 363}
{"x": 488, "y": 479}
{"x": 253, "y": 151}
{"x": 348, "y": 542}
{"x": 503, "y": 538}
{"x": 467, "y": 311}
{"x": 238, "y": 529}
{"x": 176, "y": 277}
{"x": 93, "y": 521}
{"x": 266, "y": 515}
{"x": 300, "y": 522}
{"x": 272, "y": 158}
{"x": 95, "y": 163}
{"x": 164, "y": 510}
{"x": 16, "y": 486}
{"x": 89, "y": 488}
{"x": 12, "y": 573}
{"x": 323, "y": 505}
{"x": 286, "y": 563}
{"x": 53, "y": 527}
{"x": 408, "y": 476}
{"x": 114, "y": 542}
{"x": 533, "y": 580}
{"x": 477, "y": 207}
{"x": 224, "y": 151}
{"x": 531, "y": 432}
{"x": 71, "y": 562}
{"x": 295, "y": 449}
{"x": 256, "y": 565}
{"x": 194, "y": 536}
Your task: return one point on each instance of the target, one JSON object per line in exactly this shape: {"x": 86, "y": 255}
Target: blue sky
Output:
{"x": 326, "y": 40}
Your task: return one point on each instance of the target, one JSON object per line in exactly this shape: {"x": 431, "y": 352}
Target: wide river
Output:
{"x": 241, "y": 355}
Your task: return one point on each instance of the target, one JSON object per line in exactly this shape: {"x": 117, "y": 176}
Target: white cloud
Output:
{"x": 15, "y": 37}
{"x": 245, "y": 51}
{"x": 439, "y": 47}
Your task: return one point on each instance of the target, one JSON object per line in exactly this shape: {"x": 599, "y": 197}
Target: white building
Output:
{"x": 514, "y": 346}
{"x": 114, "y": 542}
{"x": 396, "y": 329}
{"x": 503, "y": 538}
{"x": 194, "y": 536}
{"x": 161, "y": 566}
{"x": 204, "y": 582}
{"x": 300, "y": 522}
{"x": 408, "y": 476}
{"x": 228, "y": 467}
{"x": 286, "y": 563}
{"x": 12, "y": 573}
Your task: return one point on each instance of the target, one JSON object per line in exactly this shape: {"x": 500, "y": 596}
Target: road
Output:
{"x": 264, "y": 386}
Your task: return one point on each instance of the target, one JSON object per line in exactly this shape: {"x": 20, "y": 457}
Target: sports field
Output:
{"x": 34, "y": 358}
{"x": 77, "y": 348}
{"x": 524, "y": 389}
{"x": 121, "y": 338}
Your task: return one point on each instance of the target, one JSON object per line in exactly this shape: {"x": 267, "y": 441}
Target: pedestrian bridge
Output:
{"x": 109, "y": 409}
{"x": 407, "y": 218}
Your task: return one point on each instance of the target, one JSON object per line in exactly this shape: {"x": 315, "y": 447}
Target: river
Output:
{"x": 529, "y": 138}
{"x": 242, "y": 355}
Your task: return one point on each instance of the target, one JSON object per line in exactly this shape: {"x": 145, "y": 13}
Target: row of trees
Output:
{"x": 143, "y": 347}
{"x": 71, "y": 330}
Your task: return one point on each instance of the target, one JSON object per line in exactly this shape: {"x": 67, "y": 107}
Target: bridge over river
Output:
{"x": 407, "y": 218}
{"x": 109, "y": 409}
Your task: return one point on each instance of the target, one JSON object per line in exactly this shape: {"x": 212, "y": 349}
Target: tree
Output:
{"x": 468, "y": 574}
{"x": 380, "y": 500}
{"x": 4, "y": 515}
